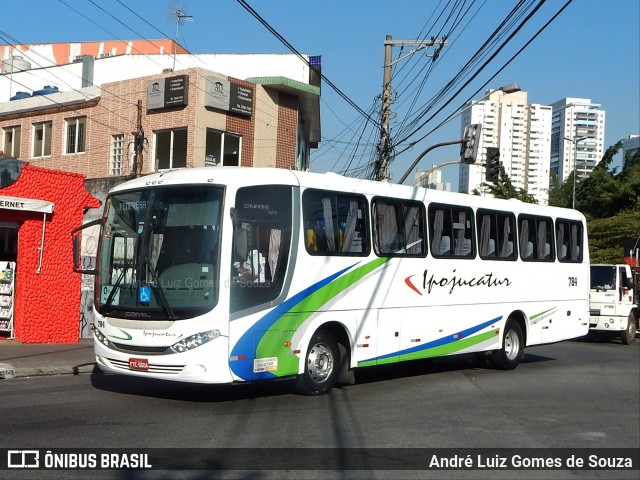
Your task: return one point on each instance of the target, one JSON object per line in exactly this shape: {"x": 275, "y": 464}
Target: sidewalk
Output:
{"x": 31, "y": 359}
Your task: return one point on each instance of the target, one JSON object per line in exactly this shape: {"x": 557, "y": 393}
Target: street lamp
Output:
{"x": 508, "y": 88}
{"x": 575, "y": 164}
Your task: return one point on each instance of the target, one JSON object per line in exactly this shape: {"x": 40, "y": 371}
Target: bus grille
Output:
{"x": 137, "y": 349}
{"x": 153, "y": 368}
{"x": 594, "y": 312}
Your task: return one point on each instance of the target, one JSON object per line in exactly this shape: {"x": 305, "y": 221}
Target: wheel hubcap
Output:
{"x": 320, "y": 363}
{"x": 511, "y": 345}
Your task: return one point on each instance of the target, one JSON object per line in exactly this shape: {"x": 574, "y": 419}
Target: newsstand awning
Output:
{"x": 30, "y": 205}
{"x": 26, "y": 204}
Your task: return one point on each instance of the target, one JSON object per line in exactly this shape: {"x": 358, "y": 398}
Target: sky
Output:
{"x": 590, "y": 50}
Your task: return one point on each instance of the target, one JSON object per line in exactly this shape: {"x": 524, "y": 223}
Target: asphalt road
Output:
{"x": 576, "y": 395}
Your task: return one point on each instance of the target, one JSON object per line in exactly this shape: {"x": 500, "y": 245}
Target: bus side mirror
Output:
{"x": 79, "y": 264}
{"x": 77, "y": 252}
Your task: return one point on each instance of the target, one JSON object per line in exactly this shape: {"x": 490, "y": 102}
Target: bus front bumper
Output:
{"x": 208, "y": 363}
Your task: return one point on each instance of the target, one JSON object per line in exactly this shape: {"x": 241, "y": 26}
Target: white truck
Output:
{"x": 613, "y": 301}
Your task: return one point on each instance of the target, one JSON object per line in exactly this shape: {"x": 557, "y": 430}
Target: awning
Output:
{"x": 26, "y": 204}
{"x": 30, "y": 205}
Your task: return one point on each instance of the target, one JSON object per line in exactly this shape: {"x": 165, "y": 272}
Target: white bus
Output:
{"x": 224, "y": 275}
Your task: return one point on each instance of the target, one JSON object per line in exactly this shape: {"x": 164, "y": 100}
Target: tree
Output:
{"x": 559, "y": 195}
{"x": 503, "y": 188}
{"x": 604, "y": 193}
{"x": 608, "y": 235}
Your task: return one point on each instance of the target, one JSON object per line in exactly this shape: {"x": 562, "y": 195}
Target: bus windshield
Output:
{"x": 160, "y": 253}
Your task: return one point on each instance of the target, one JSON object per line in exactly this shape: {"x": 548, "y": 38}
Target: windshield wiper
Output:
{"x": 115, "y": 287}
{"x": 160, "y": 291}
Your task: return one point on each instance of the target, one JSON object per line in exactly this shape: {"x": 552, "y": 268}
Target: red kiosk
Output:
{"x": 39, "y": 292}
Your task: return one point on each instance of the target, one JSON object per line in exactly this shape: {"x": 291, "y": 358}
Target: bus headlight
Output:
{"x": 100, "y": 337}
{"x": 194, "y": 341}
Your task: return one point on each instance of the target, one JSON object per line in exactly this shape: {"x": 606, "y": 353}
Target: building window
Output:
{"x": 171, "y": 149}
{"x": 12, "y": 141}
{"x": 42, "y": 139}
{"x": 76, "y": 131}
{"x": 222, "y": 149}
{"x": 117, "y": 154}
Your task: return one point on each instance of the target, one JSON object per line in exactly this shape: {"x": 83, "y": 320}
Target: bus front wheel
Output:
{"x": 508, "y": 357}
{"x": 321, "y": 364}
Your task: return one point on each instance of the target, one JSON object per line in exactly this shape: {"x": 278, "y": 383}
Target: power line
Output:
{"x": 513, "y": 57}
{"x": 299, "y": 55}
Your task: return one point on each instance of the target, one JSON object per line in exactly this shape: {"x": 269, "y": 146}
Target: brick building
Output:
{"x": 92, "y": 131}
{"x": 263, "y": 111}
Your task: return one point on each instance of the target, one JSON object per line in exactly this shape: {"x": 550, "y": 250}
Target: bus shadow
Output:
{"x": 188, "y": 392}
{"x": 432, "y": 366}
{"x": 603, "y": 337}
{"x": 204, "y": 393}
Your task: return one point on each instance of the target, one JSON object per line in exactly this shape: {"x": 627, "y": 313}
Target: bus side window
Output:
{"x": 487, "y": 234}
{"x": 496, "y": 236}
{"x": 335, "y": 223}
{"x": 397, "y": 227}
{"x": 569, "y": 239}
{"x": 451, "y": 231}
{"x": 536, "y": 238}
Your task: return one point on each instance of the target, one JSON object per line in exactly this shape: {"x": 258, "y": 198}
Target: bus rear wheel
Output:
{"x": 628, "y": 336}
{"x": 509, "y": 355}
{"x": 321, "y": 364}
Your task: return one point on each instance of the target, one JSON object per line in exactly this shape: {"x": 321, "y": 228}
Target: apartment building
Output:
{"x": 577, "y": 137}
{"x": 520, "y": 131}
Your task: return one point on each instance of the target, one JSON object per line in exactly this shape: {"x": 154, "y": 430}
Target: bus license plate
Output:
{"x": 139, "y": 364}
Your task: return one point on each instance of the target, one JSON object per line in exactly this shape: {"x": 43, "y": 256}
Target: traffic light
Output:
{"x": 471, "y": 142}
{"x": 493, "y": 165}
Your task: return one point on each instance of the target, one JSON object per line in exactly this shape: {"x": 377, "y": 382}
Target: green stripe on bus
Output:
{"x": 438, "y": 351}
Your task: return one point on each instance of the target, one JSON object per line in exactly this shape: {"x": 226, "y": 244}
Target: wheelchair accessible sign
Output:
{"x": 144, "y": 294}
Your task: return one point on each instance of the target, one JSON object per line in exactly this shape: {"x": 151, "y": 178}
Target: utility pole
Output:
{"x": 138, "y": 142}
{"x": 384, "y": 148}
{"x": 382, "y": 170}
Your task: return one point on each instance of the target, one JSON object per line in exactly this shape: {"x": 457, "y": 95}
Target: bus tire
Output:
{"x": 322, "y": 362}
{"x": 628, "y": 335}
{"x": 509, "y": 355}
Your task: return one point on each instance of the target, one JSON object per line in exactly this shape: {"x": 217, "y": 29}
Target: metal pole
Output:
{"x": 432, "y": 147}
{"x": 575, "y": 141}
{"x": 575, "y": 172}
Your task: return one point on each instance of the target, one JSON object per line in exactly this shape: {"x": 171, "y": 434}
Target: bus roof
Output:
{"x": 245, "y": 176}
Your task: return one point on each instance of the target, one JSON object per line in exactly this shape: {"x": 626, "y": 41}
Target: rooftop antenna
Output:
{"x": 179, "y": 11}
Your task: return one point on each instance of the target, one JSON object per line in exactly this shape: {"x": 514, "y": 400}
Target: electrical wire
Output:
{"x": 511, "y": 59}
{"x": 273, "y": 31}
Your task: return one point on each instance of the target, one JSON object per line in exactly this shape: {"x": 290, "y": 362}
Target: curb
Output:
{"x": 8, "y": 371}
{"x": 86, "y": 368}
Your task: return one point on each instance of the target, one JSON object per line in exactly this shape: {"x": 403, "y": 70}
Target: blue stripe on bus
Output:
{"x": 439, "y": 342}
{"x": 246, "y": 346}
